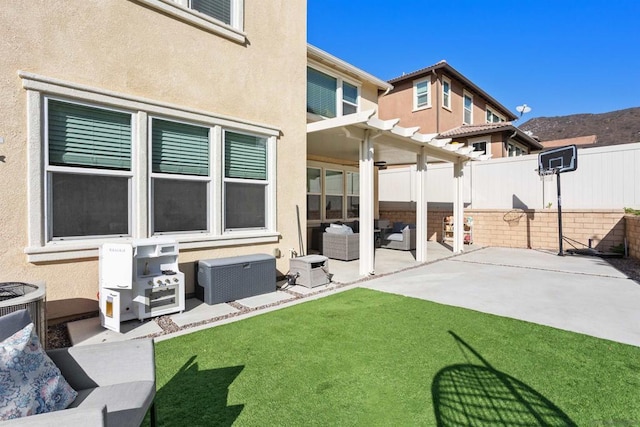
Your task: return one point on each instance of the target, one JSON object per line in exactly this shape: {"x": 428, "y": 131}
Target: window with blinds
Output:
{"x": 180, "y": 177}
{"x": 245, "y": 187}
{"x": 422, "y": 94}
{"x": 179, "y": 148}
{"x": 321, "y": 93}
{"x": 219, "y": 9}
{"x": 245, "y": 156}
{"x": 88, "y": 171}
{"x": 83, "y": 136}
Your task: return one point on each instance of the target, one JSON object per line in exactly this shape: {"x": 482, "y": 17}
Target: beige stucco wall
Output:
{"x": 124, "y": 47}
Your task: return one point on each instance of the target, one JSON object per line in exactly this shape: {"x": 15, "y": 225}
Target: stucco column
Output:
{"x": 458, "y": 207}
{"x": 421, "y": 207}
{"x": 366, "y": 205}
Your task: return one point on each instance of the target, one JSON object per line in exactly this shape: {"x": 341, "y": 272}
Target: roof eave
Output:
{"x": 336, "y": 62}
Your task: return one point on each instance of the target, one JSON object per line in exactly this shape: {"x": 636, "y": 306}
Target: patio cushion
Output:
{"x": 127, "y": 402}
{"x": 396, "y": 237}
{"x": 31, "y": 382}
{"x": 397, "y": 227}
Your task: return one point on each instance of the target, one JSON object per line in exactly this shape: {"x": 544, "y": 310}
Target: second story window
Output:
{"x": 493, "y": 117}
{"x": 330, "y": 96}
{"x": 467, "y": 118}
{"x": 219, "y": 9}
{"x": 446, "y": 93}
{"x": 422, "y": 93}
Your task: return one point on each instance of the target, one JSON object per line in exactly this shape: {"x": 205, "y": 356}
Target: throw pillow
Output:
{"x": 30, "y": 383}
{"x": 397, "y": 227}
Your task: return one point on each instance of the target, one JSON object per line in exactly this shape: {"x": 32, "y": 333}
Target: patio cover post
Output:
{"x": 421, "y": 207}
{"x": 366, "y": 204}
{"x": 458, "y": 207}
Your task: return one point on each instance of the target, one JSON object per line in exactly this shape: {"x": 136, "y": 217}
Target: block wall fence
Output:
{"x": 536, "y": 229}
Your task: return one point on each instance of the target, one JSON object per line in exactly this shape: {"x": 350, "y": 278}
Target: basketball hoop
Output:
{"x": 513, "y": 217}
{"x": 546, "y": 175}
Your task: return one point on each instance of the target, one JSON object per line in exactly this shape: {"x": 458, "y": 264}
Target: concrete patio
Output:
{"x": 198, "y": 315}
{"x": 575, "y": 293}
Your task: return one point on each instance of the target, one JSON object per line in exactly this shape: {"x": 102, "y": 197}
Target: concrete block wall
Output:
{"x": 535, "y": 229}
{"x": 633, "y": 235}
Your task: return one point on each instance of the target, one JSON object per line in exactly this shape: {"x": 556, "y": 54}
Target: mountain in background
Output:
{"x": 615, "y": 127}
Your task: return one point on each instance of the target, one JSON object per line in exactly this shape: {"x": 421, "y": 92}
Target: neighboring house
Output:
{"x": 148, "y": 118}
{"x": 440, "y": 100}
{"x": 580, "y": 141}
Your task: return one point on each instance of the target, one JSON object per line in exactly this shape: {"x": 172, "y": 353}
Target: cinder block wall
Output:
{"x": 536, "y": 229}
{"x": 633, "y": 235}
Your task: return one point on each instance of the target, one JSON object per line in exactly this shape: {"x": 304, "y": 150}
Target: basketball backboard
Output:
{"x": 558, "y": 160}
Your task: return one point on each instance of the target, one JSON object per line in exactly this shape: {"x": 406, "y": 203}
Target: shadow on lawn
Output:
{"x": 470, "y": 395}
{"x": 198, "y": 398}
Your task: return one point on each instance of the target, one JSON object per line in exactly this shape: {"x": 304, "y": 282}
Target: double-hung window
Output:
{"x": 218, "y": 9}
{"x": 245, "y": 181}
{"x": 422, "y": 93}
{"x": 314, "y": 193}
{"x": 446, "y": 93}
{"x": 353, "y": 195}
{"x": 493, "y": 117}
{"x": 180, "y": 177}
{"x": 222, "y": 17}
{"x": 334, "y": 193}
{"x": 88, "y": 171}
{"x": 467, "y": 100}
{"x": 330, "y": 96}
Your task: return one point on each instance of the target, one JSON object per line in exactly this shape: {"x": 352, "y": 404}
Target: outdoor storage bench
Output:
{"x": 230, "y": 279}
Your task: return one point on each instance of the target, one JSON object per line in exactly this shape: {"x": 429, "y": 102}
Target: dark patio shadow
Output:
{"x": 474, "y": 395}
{"x": 198, "y": 398}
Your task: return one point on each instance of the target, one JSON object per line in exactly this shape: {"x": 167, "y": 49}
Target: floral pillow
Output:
{"x": 30, "y": 383}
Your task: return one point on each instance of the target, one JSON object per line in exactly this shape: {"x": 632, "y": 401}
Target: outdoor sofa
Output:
{"x": 115, "y": 382}
{"x": 402, "y": 237}
{"x": 340, "y": 242}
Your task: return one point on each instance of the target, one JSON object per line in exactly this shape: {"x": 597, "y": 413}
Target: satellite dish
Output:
{"x": 522, "y": 109}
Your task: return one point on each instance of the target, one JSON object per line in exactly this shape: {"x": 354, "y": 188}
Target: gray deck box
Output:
{"x": 312, "y": 270}
{"x": 230, "y": 279}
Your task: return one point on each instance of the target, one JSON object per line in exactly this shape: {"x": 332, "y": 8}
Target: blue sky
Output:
{"x": 559, "y": 57}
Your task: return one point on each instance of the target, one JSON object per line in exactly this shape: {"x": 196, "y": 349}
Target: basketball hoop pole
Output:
{"x": 560, "y": 251}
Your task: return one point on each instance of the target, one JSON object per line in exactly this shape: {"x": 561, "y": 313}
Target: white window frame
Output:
{"x": 76, "y": 170}
{"x": 42, "y": 249}
{"x": 322, "y": 166}
{"x": 319, "y": 194}
{"x": 471, "y": 142}
{"x": 416, "y": 106}
{"x": 211, "y": 212}
{"x": 491, "y": 112}
{"x": 515, "y": 146}
{"x": 465, "y": 95}
{"x": 340, "y": 79}
{"x": 446, "y": 105}
{"x": 267, "y": 184}
{"x": 181, "y": 10}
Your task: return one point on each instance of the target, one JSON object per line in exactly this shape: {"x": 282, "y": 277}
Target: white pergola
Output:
{"x": 364, "y": 138}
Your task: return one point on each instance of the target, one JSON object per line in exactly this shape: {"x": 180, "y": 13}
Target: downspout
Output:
{"x": 438, "y": 90}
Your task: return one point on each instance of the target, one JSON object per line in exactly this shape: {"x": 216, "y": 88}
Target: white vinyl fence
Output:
{"x": 606, "y": 178}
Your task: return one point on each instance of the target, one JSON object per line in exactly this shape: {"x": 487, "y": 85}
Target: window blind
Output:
{"x": 179, "y": 148}
{"x": 321, "y": 93}
{"x": 245, "y": 156}
{"x": 219, "y": 9}
{"x": 85, "y": 136}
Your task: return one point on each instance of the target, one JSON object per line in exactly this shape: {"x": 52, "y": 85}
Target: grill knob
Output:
{"x": 167, "y": 281}
{"x": 159, "y": 282}
{"x": 175, "y": 279}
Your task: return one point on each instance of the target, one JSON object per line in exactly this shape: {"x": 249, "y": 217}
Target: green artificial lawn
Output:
{"x": 363, "y": 357}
